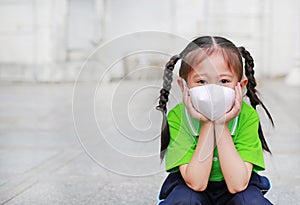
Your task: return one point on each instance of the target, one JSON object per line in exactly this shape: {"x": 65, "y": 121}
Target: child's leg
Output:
{"x": 251, "y": 196}
{"x": 254, "y": 194}
{"x": 175, "y": 191}
{"x": 182, "y": 195}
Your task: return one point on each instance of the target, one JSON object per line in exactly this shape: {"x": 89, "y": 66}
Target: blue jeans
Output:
{"x": 175, "y": 192}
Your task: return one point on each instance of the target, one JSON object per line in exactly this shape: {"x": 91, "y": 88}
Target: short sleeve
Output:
{"x": 182, "y": 142}
{"x": 247, "y": 140}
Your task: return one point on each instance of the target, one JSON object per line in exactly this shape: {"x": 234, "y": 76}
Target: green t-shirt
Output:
{"x": 184, "y": 138}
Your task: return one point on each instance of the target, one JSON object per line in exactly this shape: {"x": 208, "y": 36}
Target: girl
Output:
{"x": 213, "y": 141}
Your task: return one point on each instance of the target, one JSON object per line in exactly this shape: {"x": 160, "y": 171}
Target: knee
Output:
{"x": 184, "y": 196}
{"x": 255, "y": 201}
{"x": 249, "y": 198}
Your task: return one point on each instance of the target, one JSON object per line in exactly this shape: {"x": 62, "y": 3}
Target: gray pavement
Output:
{"x": 45, "y": 159}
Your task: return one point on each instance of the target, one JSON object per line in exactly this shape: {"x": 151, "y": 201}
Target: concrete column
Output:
{"x": 32, "y": 38}
{"x": 16, "y": 40}
{"x": 293, "y": 76}
{"x": 49, "y": 25}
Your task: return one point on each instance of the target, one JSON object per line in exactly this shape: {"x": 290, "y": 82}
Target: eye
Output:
{"x": 224, "y": 81}
{"x": 202, "y": 82}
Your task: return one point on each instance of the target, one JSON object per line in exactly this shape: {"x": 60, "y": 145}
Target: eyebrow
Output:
{"x": 205, "y": 75}
{"x": 197, "y": 75}
{"x": 226, "y": 75}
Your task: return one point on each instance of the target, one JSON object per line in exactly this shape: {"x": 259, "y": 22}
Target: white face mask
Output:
{"x": 212, "y": 100}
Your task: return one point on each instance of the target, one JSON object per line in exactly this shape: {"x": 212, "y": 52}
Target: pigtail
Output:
{"x": 162, "y": 106}
{"x": 252, "y": 92}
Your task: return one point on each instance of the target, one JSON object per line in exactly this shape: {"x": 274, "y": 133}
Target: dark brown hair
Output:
{"x": 193, "y": 54}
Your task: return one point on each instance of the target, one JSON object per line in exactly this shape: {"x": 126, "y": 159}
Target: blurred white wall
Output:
{"x": 32, "y": 36}
{"x": 47, "y": 40}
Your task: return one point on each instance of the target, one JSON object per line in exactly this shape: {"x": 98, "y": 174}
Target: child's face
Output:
{"x": 212, "y": 70}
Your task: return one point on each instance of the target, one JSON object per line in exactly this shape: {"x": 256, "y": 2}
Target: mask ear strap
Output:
{"x": 234, "y": 125}
{"x": 187, "y": 114}
{"x": 190, "y": 123}
{"x": 184, "y": 83}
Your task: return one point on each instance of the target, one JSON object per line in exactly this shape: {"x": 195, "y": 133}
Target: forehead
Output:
{"x": 212, "y": 65}
{"x": 202, "y": 58}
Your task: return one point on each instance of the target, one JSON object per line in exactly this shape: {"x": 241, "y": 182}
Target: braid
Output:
{"x": 252, "y": 92}
{"x": 163, "y": 99}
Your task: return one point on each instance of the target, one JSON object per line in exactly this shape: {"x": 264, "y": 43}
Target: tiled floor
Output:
{"x": 101, "y": 147}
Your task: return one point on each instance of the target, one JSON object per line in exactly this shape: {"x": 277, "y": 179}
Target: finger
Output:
{"x": 238, "y": 92}
{"x": 238, "y": 98}
{"x": 190, "y": 108}
{"x": 187, "y": 100}
{"x": 237, "y": 104}
{"x": 234, "y": 111}
{"x": 185, "y": 95}
{"x": 193, "y": 112}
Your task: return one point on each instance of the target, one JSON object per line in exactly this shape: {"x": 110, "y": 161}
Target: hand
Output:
{"x": 191, "y": 110}
{"x": 236, "y": 108}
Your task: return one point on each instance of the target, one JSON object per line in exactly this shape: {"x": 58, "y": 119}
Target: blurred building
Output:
{"x": 48, "y": 40}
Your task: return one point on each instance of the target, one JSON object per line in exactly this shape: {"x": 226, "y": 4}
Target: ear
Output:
{"x": 180, "y": 83}
{"x": 244, "y": 82}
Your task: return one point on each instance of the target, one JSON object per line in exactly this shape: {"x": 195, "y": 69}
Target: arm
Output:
{"x": 196, "y": 173}
{"x": 236, "y": 172}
